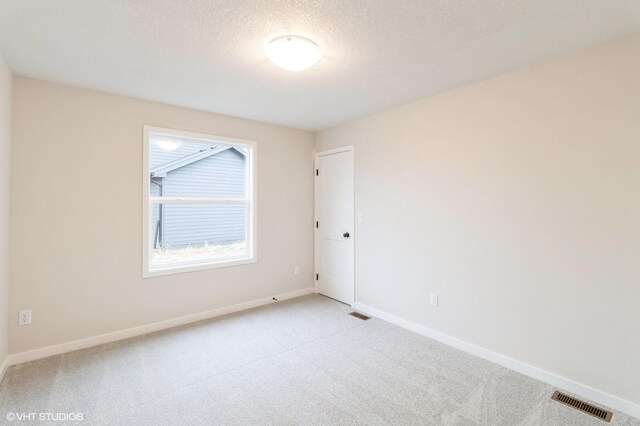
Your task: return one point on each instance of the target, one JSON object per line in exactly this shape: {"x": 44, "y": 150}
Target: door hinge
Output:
{"x": 316, "y": 224}
{"x": 317, "y": 173}
{"x": 316, "y": 277}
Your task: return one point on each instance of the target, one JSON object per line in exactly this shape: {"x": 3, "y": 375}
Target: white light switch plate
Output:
{"x": 433, "y": 299}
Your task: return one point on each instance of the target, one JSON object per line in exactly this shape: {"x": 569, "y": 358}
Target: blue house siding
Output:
{"x": 197, "y": 225}
{"x": 218, "y": 176}
{"x": 221, "y": 175}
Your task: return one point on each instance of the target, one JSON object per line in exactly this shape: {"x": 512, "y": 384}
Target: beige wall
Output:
{"x": 5, "y": 171}
{"x": 517, "y": 200}
{"x": 77, "y": 215}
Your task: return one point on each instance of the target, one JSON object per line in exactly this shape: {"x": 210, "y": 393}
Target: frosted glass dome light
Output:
{"x": 293, "y": 53}
{"x": 168, "y": 145}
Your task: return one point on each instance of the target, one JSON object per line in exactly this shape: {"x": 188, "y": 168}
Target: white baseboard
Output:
{"x": 3, "y": 368}
{"x": 145, "y": 329}
{"x": 563, "y": 383}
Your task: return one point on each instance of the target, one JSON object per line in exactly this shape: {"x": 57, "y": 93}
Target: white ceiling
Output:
{"x": 209, "y": 54}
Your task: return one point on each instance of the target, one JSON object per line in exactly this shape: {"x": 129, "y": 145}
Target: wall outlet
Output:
{"x": 433, "y": 299}
{"x": 360, "y": 219}
{"x": 296, "y": 270}
{"x": 24, "y": 317}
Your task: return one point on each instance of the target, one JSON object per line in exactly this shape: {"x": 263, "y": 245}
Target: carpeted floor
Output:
{"x": 299, "y": 362}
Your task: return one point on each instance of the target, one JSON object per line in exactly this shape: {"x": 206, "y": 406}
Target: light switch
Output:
{"x": 434, "y": 299}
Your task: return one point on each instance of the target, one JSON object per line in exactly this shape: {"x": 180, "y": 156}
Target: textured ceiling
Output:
{"x": 209, "y": 54}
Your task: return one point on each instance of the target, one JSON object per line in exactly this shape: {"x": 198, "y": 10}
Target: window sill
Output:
{"x": 179, "y": 269}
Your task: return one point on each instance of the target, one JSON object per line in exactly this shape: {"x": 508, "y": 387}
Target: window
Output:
{"x": 199, "y": 202}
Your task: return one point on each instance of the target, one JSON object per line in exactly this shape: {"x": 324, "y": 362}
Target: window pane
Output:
{"x": 182, "y": 167}
{"x": 197, "y": 233}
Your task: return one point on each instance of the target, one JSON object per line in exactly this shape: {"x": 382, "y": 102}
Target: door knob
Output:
{"x": 346, "y": 235}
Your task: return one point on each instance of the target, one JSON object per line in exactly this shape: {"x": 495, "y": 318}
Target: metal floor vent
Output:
{"x": 359, "y": 316}
{"x": 583, "y": 406}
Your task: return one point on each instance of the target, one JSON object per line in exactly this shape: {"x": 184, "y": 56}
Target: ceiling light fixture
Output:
{"x": 168, "y": 145}
{"x": 293, "y": 53}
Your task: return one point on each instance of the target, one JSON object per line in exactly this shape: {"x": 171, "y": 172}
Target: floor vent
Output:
{"x": 359, "y": 316}
{"x": 583, "y": 406}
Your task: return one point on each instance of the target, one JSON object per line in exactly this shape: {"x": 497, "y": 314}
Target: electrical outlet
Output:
{"x": 433, "y": 299}
{"x": 296, "y": 270}
{"x": 360, "y": 219}
{"x": 24, "y": 317}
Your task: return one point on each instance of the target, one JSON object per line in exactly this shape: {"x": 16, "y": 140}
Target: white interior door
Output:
{"x": 334, "y": 234}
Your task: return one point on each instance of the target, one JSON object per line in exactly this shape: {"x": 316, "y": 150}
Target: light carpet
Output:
{"x": 299, "y": 362}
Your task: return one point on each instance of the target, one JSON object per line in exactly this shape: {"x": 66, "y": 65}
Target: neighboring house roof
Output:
{"x": 161, "y": 171}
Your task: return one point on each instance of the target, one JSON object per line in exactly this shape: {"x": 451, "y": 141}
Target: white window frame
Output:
{"x": 148, "y": 203}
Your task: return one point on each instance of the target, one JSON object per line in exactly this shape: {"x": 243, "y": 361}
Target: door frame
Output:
{"x": 316, "y": 156}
